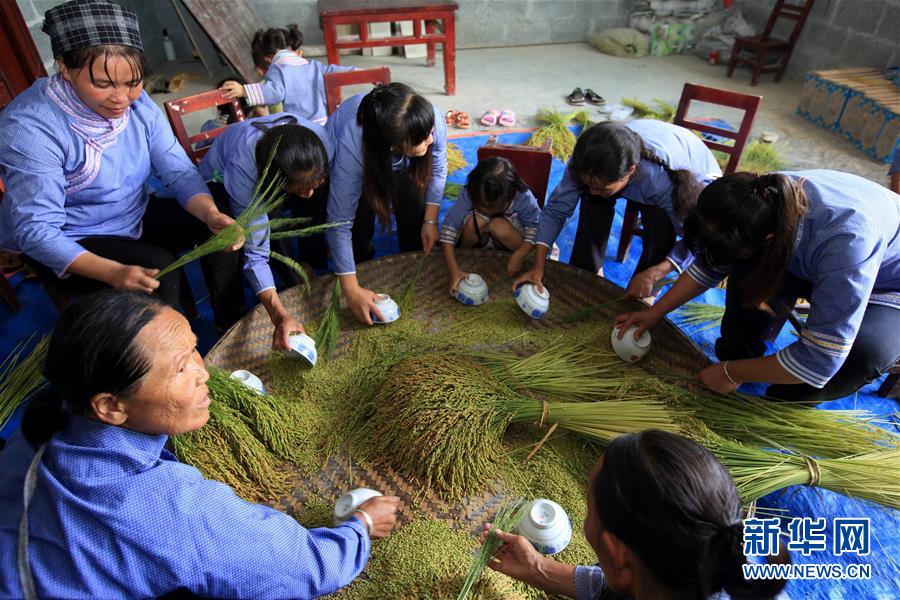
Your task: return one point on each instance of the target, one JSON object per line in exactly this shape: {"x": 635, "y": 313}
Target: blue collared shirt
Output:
{"x": 346, "y": 184}
{"x": 296, "y": 82}
{"x": 232, "y": 159}
{"x": 114, "y": 515}
{"x": 39, "y": 214}
{"x": 679, "y": 147}
{"x": 848, "y": 247}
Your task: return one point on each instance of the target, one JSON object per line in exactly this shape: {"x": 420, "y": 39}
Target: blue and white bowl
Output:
{"x": 304, "y": 347}
{"x": 349, "y": 502}
{"x": 388, "y": 307}
{"x": 533, "y": 303}
{"x": 472, "y": 290}
{"x": 630, "y": 349}
{"x": 250, "y": 380}
{"x": 547, "y": 526}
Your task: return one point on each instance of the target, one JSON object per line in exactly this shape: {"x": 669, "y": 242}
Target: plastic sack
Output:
{"x": 622, "y": 42}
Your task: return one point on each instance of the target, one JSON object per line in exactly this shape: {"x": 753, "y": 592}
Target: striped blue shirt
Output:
{"x": 114, "y": 515}
{"x": 232, "y": 160}
{"x": 50, "y": 203}
{"x": 523, "y": 208}
{"x": 848, "y": 248}
{"x": 346, "y": 183}
{"x": 296, "y": 82}
{"x": 679, "y": 147}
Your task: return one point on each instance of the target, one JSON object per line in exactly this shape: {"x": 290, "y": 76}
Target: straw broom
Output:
{"x": 507, "y": 519}
{"x": 18, "y": 378}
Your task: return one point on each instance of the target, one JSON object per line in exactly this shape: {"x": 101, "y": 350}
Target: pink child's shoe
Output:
{"x": 507, "y": 118}
{"x": 489, "y": 119}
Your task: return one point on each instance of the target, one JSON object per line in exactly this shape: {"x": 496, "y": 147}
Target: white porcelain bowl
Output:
{"x": 532, "y": 302}
{"x": 546, "y": 525}
{"x": 250, "y": 380}
{"x": 629, "y": 349}
{"x": 472, "y": 290}
{"x": 388, "y": 307}
{"x": 304, "y": 347}
{"x": 349, "y": 502}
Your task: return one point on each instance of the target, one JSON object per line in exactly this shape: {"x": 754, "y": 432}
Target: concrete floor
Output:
{"x": 525, "y": 79}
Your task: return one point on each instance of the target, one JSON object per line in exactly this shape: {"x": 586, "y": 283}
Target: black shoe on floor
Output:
{"x": 576, "y": 98}
{"x": 594, "y": 98}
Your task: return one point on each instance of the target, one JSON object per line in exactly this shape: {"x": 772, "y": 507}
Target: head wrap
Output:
{"x": 85, "y": 23}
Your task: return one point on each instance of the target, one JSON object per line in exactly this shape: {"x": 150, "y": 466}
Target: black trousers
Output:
{"x": 595, "y": 220}
{"x": 409, "y": 212}
{"x": 876, "y": 348}
{"x": 168, "y": 230}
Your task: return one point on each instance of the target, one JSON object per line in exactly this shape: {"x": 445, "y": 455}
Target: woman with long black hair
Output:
{"x": 660, "y": 166}
{"x": 301, "y": 152}
{"x": 664, "y": 518}
{"x": 390, "y": 160}
{"x": 831, "y": 237}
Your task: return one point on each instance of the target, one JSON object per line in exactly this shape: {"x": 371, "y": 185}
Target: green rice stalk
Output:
{"x": 507, "y": 519}
{"x": 583, "y": 118}
{"x": 327, "y": 331}
{"x": 305, "y": 232}
{"x": 451, "y": 190}
{"x": 286, "y": 222}
{"x": 20, "y": 377}
{"x": 572, "y": 371}
{"x": 408, "y": 295}
{"x": 760, "y": 157}
{"x": 699, "y": 316}
{"x": 294, "y": 266}
{"x": 455, "y": 159}
{"x": 663, "y": 111}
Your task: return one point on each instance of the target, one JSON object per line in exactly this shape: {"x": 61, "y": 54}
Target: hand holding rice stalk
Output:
{"x": 18, "y": 378}
{"x": 267, "y": 196}
{"x": 507, "y": 519}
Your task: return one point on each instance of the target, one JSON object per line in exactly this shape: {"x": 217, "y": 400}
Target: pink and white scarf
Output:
{"x": 97, "y": 132}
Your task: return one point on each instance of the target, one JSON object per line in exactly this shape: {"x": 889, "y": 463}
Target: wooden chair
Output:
{"x": 7, "y": 292}
{"x": 746, "y": 102}
{"x": 335, "y": 81}
{"x": 533, "y": 164}
{"x": 177, "y": 109}
{"x": 760, "y": 48}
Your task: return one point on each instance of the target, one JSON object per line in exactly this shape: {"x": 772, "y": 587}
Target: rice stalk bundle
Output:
{"x": 760, "y": 157}
{"x": 507, "y": 519}
{"x": 327, "y": 331}
{"x": 700, "y": 316}
{"x": 663, "y": 111}
{"x": 602, "y": 421}
{"x": 455, "y": 159}
{"x": 757, "y": 472}
{"x": 560, "y": 369}
{"x": 583, "y": 118}
{"x": 800, "y": 428}
{"x": 435, "y": 419}
{"x": 556, "y": 129}
{"x": 18, "y": 378}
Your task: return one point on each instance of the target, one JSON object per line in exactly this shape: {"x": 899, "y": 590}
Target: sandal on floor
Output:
{"x": 594, "y": 98}
{"x": 450, "y": 117}
{"x": 463, "y": 120}
{"x": 576, "y": 98}
{"x": 507, "y": 118}
{"x": 489, "y": 119}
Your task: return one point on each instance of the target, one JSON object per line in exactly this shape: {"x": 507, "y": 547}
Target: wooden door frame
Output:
{"x": 20, "y": 63}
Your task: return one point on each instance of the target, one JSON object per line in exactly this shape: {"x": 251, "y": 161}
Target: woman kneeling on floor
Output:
{"x": 109, "y": 513}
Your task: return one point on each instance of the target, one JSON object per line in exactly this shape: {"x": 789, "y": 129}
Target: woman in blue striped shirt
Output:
{"x": 831, "y": 237}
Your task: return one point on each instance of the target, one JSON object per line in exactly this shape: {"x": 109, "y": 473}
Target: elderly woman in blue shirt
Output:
{"x": 76, "y": 152}
{"x": 301, "y": 152}
{"x": 92, "y": 505}
{"x": 831, "y": 237}
{"x": 390, "y": 159}
{"x": 660, "y": 166}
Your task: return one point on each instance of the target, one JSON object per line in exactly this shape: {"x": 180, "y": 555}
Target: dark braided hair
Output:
{"x": 606, "y": 151}
{"x": 267, "y": 42}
